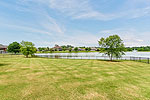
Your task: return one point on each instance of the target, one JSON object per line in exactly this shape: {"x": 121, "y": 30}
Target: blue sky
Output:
{"x": 75, "y": 22}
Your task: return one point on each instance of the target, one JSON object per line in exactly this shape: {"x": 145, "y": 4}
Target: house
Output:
{"x": 3, "y": 48}
{"x": 93, "y": 49}
{"x": 80, "y": 49}
{"x": 57, "y": 48}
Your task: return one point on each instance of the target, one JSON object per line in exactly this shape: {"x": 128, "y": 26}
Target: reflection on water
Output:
{"x": 138, "y": 54}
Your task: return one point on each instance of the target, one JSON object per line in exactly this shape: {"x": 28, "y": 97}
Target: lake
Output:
{"x": 91, "y": 55}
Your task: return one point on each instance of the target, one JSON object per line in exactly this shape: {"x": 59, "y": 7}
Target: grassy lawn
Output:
{"x": 10, "y": 55}
{"x": 62, "y": 79}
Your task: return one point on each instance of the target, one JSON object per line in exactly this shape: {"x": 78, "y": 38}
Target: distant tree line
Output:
{"x": 64, "y": 48}
{"x": 48, "y": 49}
{"x": 67, "y": 48}
{"x": 142, "y": 48}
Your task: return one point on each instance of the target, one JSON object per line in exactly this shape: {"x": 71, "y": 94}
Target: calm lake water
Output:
{"x": 91, "y": 55}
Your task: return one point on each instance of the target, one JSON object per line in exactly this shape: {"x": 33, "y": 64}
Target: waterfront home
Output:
{"x": 93, "y": 49}
{"x": 3, "y": 48}
{"x": 57, "y": 48}
{"x": 80, "y": 49}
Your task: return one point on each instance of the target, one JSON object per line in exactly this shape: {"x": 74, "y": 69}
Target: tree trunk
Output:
{"x": 111, "y": 57}
{"x": 26, "y": 56}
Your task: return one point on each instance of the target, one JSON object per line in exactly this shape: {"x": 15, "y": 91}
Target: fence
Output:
{"x": 141, "y": 59}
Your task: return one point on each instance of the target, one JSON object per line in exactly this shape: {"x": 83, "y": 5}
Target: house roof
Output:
{"x": 93, "y": 48}
{"x": 57, "y": 47}
{"x": 3, "y": 46}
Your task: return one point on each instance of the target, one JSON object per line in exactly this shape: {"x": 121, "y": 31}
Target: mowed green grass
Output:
{"x": 63, "y": 79}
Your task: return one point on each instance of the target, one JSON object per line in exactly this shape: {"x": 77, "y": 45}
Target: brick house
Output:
{"x": 3, "y": 49}
{"x": 57, "y": 48}
{"x": 93, "y": 49}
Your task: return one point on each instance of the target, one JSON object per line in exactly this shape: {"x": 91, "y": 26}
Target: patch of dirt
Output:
{"x": 130, "y": 91}
{"x": 68, "y": 86}
{"x": 10, "y": 70}
{"x": 111, "y": 73}
{"x": 100, "y": 79}
{"x": 94, "y": 95}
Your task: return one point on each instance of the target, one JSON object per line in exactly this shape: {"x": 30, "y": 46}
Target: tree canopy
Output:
{"x": 87, "y": 49}
{"x": 142, "y": 48}
{"x": 14, "y": 47}
{"x": 27, "y": 48}
{"x": 76, "y": 49}
{"x": 112, "y": 46}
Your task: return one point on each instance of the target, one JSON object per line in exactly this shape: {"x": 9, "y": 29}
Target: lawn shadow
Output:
{"x": 110, "y": 60}
{"x": 3, "y": 64}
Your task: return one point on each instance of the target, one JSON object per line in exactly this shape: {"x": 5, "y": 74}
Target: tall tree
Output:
{"x": 112, "y": 46}
{"x": 40, "y": 49}
{"x": 89, "y": 49}
{"x": 27, "y": 48}
{"x": 76, "y": 49}
{"x": 64, "y": 48}
{"x": 86, "y": 49}
{"x": 70, "y": 49}
{"x": 14, "y": 47}
{"x": 47, "y": 49}
{"x": 51, "y": 50}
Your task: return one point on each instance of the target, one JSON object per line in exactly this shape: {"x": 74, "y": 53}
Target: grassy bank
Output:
{"x": 62, "y": 79}
{"x": 11, "y": 55}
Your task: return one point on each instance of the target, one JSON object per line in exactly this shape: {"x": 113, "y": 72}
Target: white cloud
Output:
{"x": 42, "y": 19}
{"x": 80, "y": 39}
{"x": 83, "y": 9}
{"x": 79, "y": 9}
{"x": 27, "y": 29}
{"x": 77, "y": 38}
{"x": 76, "y": 9}
{"x": 51, "y": 25}
{"x": 131, "y": 37}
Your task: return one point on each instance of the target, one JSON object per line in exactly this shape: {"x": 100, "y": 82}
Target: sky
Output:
{"x": 74, "y": 22}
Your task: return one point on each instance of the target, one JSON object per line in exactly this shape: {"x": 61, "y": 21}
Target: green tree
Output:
{"x": 47, "y": 49}
{"x": 112, "y": 46}
{"x": 14, "y": 47}
{"x": 70, "y": 49}
{"x": 86, "y": 49}
{"x": 76, "y": 49}
{"x": 89, "y": 49}
{"x": 27, "y": 48}
{"x": 51, "y": 50}
{"x": 40, "y": 49}
{"x": 64, "y": 48}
